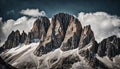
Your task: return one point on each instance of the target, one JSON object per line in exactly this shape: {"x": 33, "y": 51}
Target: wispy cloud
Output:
{"x": 33, "y": 12}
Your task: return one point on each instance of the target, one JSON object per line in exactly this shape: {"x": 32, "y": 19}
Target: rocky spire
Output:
{"x": 40, "y": 27}
{"x": 72, "y": 36}
{"x": 86, "y": 36}
{"x": 23, "y": 37}
{"x": 14, "y": 39}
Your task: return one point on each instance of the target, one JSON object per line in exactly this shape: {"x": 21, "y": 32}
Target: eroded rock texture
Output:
{"x": 39, "y": 30}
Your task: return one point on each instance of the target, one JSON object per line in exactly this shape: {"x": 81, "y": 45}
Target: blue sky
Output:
{"x": 9, "y": 9}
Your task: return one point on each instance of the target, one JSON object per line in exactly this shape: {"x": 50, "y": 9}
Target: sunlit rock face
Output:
{"x": 60, "y": 43}
{"x": 39, "y": 30}
{"x": 72, "y": 36}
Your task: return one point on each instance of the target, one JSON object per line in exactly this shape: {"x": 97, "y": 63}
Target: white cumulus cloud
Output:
{"x": 22, "y": 23}
{"x": 33, "y": 12}
{"x": 102, "y": 24}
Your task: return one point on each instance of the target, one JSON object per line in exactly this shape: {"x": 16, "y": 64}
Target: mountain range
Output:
{"x": 59, "y": 43}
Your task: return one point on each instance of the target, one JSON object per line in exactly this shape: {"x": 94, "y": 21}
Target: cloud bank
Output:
{"x": 22, "y": 23}
{"x": 102, "y": 24}
{"x": 33, "y": 12}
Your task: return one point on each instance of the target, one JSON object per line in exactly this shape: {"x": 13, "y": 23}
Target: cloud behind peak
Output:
{"x": 102, "y": 24}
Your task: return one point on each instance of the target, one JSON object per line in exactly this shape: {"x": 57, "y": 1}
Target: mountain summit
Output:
{"x": 60, "y": 43}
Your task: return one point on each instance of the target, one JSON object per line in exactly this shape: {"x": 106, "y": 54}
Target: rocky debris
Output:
{"x": 26, "y": 65}
{"x": 86, "y": 36}
{"x": 66, "y": 63}
{"x": 14, "y": 39}
{"x": 4, "y": 65}
{"x": 40, "y": 28}
{"x": 89, "y": 52}
{"x": 109, "y": 47}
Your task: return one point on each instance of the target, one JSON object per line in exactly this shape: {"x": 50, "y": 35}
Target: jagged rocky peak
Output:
{"x": 40, "y": 28}
{"x": 41, "y": 24}
{"x": 14, "y": 39}
{"x": 72, "y": 36}
{"x": 109, "y": 47}
{"x": 86, "y": 36}
{"x": 60, "y": 24}
{"x": 23, "y": 37}
{"x": 65, "y": 29}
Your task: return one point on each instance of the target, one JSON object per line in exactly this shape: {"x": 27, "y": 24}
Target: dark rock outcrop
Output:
{"x": 89, "y": 52}
{"x": 23, "y": 37}
{"x": 4, "y": 65}
{"x": 109, "y": 47}
{"x": 14, "y": 39}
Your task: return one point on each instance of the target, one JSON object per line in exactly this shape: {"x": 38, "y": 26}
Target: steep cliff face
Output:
{"x": 23, "y": 37}
{"x": 61, "y": 43}
{"x": 39, "y": 30}
{"x": 72, "y": 36}
{"x": 86, "y": 36}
